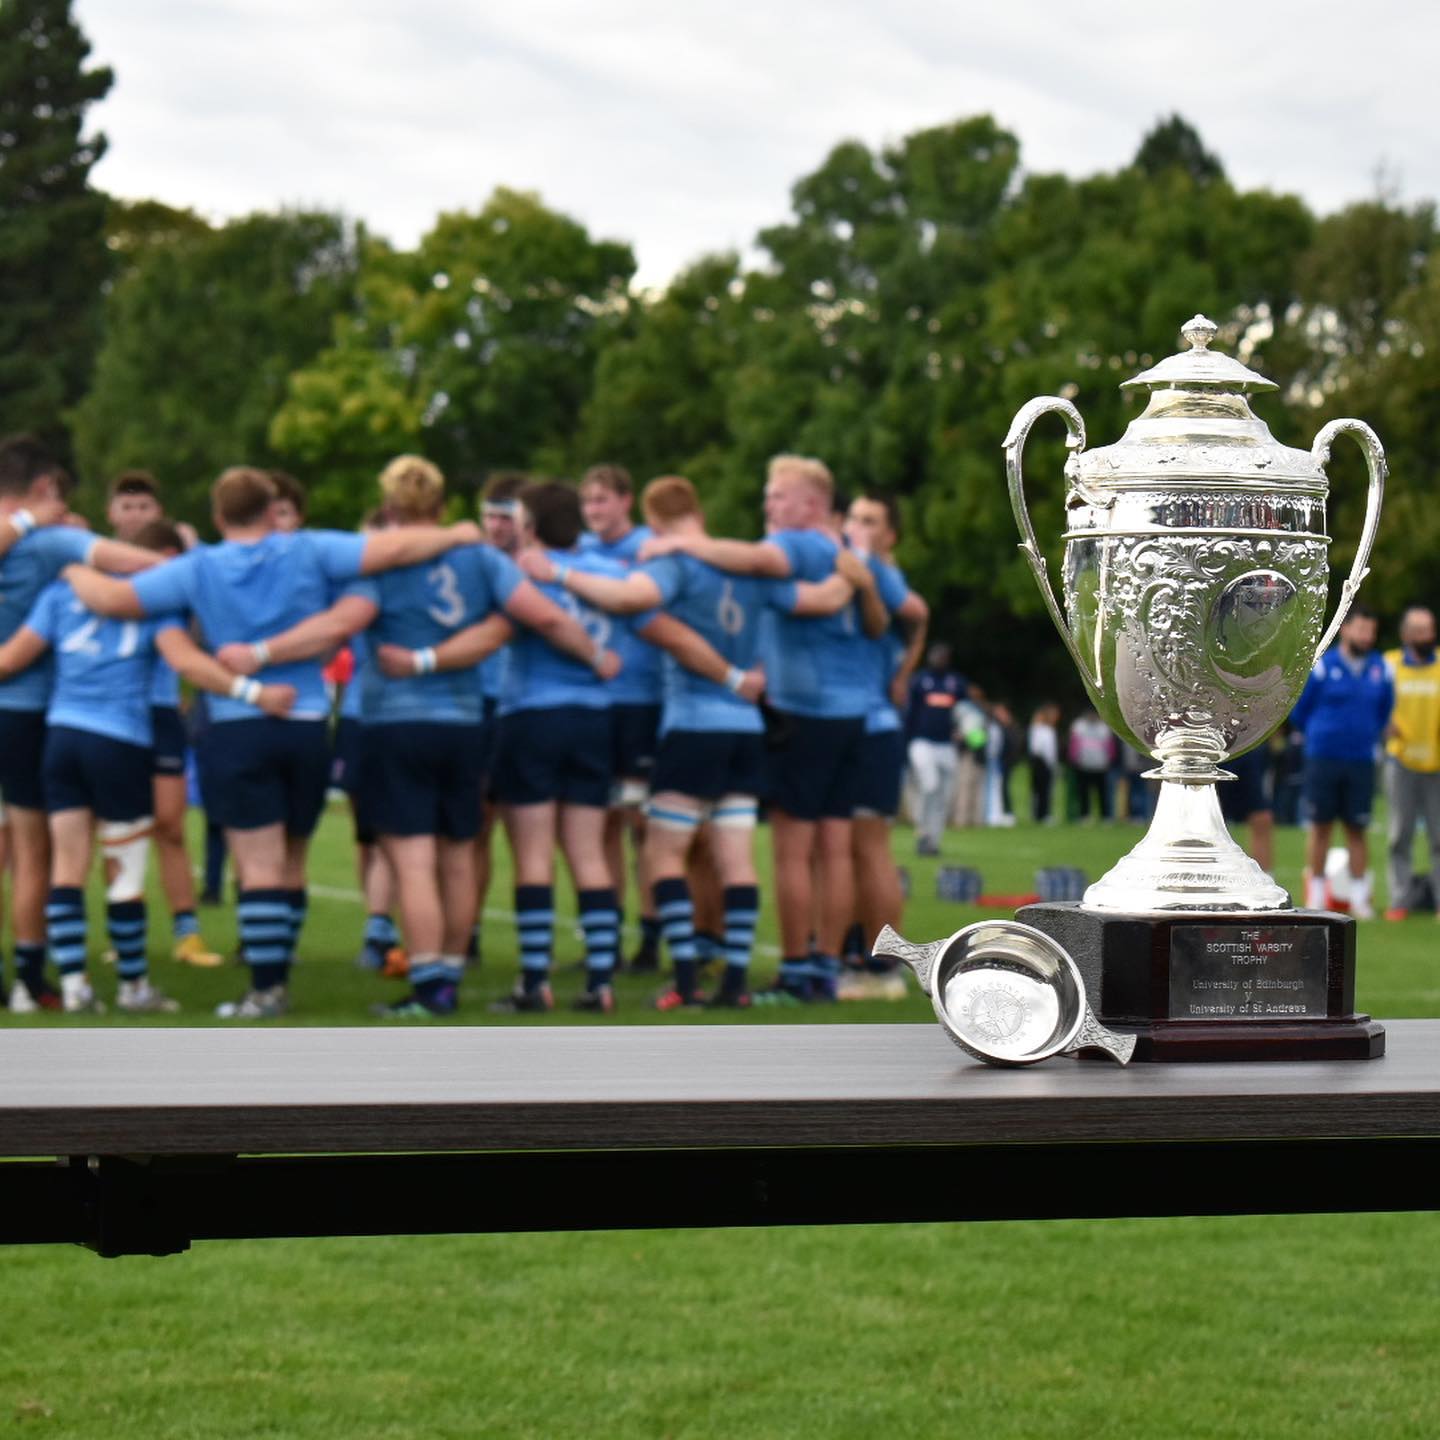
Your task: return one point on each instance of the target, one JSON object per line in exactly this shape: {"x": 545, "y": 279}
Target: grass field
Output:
{"x": 1266, "y": 1327}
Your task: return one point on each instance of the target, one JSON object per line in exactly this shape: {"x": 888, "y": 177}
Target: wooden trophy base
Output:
{"x": 1203, "y": 986}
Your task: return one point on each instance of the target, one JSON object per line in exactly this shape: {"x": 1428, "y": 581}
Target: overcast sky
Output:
{"x": 680, "y": 125}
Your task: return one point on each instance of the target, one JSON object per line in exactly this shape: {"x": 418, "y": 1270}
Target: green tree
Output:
{"x": 202, "y": 332}
{"x": 478, "y": 348}
{"x": 52, "y": 221}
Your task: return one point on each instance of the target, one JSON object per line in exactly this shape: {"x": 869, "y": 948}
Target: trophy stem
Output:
{"x": 1187, "y": 861}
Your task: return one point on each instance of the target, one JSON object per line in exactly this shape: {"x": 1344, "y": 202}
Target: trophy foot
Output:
{"x": 1187, "y": 861}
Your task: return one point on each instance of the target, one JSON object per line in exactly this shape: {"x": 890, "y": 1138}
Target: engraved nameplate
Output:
{"x": 1248, "y": 972}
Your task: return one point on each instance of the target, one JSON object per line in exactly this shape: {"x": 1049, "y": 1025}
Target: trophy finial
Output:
{"x": 1200, "y": 332}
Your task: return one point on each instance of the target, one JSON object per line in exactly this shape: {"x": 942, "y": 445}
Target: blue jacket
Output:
{"x": 1343, "y": 710}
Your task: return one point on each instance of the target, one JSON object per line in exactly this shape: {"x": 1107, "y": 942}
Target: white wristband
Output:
{"x": 246, "y": 689}
{"x": 561, "y": 571}
{"x": 734, "y": 678}
{"x": 261, "y": 652}
{"x": 23, "y": 521}
{"x": 424, "y": 661}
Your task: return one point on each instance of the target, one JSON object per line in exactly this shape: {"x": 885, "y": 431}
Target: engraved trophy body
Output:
{"x": 1195, "y": 584}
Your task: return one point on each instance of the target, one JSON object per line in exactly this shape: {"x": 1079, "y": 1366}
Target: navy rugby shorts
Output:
{"x": 882, "y": 769}
{"x": 563, "y": 754}
{"x": 168, "y": 756}
{"x": 425, "y": 778}
{"x": 815, "y": 767}
{"x": 706, "y": 764}
{"x": 108, "y": 777}
{"x": 22, "y": 758}
{"x": 267, "y": 771}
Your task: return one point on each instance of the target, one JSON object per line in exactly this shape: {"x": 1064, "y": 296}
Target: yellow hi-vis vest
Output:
{"x": 1416, "y": 716}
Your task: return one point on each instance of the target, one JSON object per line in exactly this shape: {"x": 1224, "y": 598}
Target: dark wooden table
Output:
{"x": 156, "y": 1137}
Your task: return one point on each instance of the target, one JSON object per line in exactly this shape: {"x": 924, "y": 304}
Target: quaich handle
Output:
{"x": 1014, "y": 445}
{"x": 1369, "y": 442}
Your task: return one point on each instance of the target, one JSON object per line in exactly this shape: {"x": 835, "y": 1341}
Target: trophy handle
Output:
{"x": 1014, "y": 444}
{"x": 1094, "y": 1036}
{"x": 1369, "y": 442}
{"x": 920, "y": 958}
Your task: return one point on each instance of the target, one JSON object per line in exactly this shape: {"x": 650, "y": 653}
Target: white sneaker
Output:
{"x": 1361, "y": 908}
{"x": 256, "y": 1005}
{"x": 869, "y": 986}
{"x": 140, "y": 997}
{"x": 21, "y": 1000}
{"x": 78, "y": 997}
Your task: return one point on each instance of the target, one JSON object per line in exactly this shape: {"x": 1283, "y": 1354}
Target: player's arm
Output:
{"x": 203, "y": 671}
{"x": 822, "y": 597}
{"x": 316, "y": 635}
{"x": 105, "y": 594}
{"x": 627, "y": 595}
{"x": 118, "y": 558}
{"x": 874, "y": 617}
{"x": 21, "y": 651}
{"x": 19, "y": 523}
{"x": 739, "y": 557}
{"x": 463, "y": 650}
{"x": 696, "y": 653}
{"x": 916, "y": 619}
{"x": 414, "y": 544}
{"x": 539, "y": 613}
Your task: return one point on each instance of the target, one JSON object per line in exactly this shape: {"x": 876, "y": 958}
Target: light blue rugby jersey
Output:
{"x": 639, "y": 681}
{"x": 246, "y": 591}
{"x": 423, "y": 605}
{"x": 26, "y": 569}
{"x": 537, "y": 676}
{"x": 360, "y": 656}
{"x": 104, "y": 669}
{"x": 816, "y": 665}
{"x": 164, "y": 686}
{"x": 727, "y": 611}
{"x": 884, "y": 653}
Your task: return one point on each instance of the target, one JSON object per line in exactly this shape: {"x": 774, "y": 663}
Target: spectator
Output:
{"x": 1091, "y": 751}
{"x": 1043, "y": 745}
{"x": 930, "y": 727}
{"x": 1246, "y": 800}
{"x": 1412, "y": 771}
{"x": 1343, "y": 712}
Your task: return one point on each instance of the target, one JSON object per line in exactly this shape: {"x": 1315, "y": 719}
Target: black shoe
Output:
{"x": 599, "y": 1001}
{"x": 525, "y": 1002}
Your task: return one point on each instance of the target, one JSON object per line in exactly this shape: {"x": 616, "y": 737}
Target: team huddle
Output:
{"x": 594, "y": 685}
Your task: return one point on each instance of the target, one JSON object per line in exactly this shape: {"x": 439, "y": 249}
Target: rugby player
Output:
{"x": 97, "y": 767}
{"x": 606, "y": 500}
{"x": 272, "y": 772}
{"x": 134, "y": 507}
{"x": 33, "y": 488}
{"x": 423, "y": 751}
{"x": 500, "y": 520}
{"x": 816, "y": 681}
{"x": 711, "y": 761}
{"x": 872, "y": 527}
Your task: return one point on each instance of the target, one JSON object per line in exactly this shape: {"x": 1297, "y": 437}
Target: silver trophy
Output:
{"x": 1195, "y": 584}
{"x": 1196, "y": 578}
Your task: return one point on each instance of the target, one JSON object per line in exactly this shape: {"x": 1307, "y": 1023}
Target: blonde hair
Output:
{"x": 413, "y": 487}
{"x": 669, "y": 498}
{"x": 813, "y": 472}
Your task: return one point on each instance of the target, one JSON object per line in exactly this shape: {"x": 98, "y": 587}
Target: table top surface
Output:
{"x": 177, "y": 1091}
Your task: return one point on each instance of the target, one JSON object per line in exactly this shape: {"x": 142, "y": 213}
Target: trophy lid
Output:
{"x": 1200, "y": 366}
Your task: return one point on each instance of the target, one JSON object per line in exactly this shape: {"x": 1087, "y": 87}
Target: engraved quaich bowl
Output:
{"x": 1195, "y": 583}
